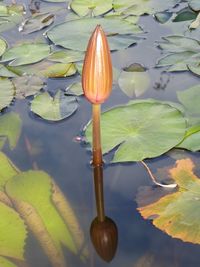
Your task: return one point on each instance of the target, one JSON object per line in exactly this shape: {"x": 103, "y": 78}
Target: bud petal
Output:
{"x": 97, "y": 68}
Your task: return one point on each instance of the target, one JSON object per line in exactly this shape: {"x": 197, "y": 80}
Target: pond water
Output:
{"x": 54, "y": 147}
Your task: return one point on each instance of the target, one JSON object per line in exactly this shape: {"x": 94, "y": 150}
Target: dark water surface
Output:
{"x": 67, "y": 161}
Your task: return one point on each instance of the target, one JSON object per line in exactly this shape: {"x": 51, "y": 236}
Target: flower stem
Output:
{"x": 98, "y": 184}
{"x": 96, "y": 131}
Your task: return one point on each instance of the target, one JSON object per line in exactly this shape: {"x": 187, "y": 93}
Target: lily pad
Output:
{"x": 120, "y": 33}
{"x": 37, "y": 22}
{"x": 163, "y": 17}
{"x": 134, "y": 83}
{"x": 140, "y": 7}
{"x": 10, "y": 16}
{"x": 139, "y": 132}
{"x": 75, "y": 89}
{"x": 4, "y": 72}
{"x": 191, "y": 139}
{"x": 26, "y": 53}
{"x": 177, "y": 213}
{"x": 54, "y": 108}
{"x": 27, "y": 86}
{"x": 6, "y": 92}
{"x": 3, "y": 46}
{"x": 88, "y": 7}
{"x": 10, "y": 129}
{"x": 184, "y": 15}
{"x": 194, "y": 4}
{"x": 183, "y": 51}
{"x": 66, "y": 56}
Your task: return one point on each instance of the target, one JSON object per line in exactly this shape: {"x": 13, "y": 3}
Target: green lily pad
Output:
{"x": 182, "y": 51}
{"x": 194, "y": 4}
{"x": 120, "y": 33}
{"x": 94, "y": 7}
{"x": 6, "y": 263}
{"x": 191, "y": 139}
{"x": 10, "y": 129}
{"x": 26, "y": 53}
{"x": 10, "y": 16}
{"x": 54, "y": 108}
{"x": 35, "y": 189}
{"x": 4, "y": 72}
{"x": 177, "y": 214}
{"x": 6, "y": 92}
{"x": 140, "y": 7}
{"x": 27, "y": 86}
{"x": 134, "y": 83}
{"x": 66, "y": 56}
{"x": 37, "y": 22}
{"x": 3, "y": 46}
{"x": 184, "y": 15}
{"x": 163, "y": 17}
{"x": 75, "y": 89}
{"x": 139, "y": 132}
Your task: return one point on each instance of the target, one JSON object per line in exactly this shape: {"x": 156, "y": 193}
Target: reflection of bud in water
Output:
{"x": 97, "y": 68}
{"x": 104, "y": 237}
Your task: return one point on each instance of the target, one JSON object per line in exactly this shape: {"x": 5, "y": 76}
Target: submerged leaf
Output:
{"x": 140, "y": 130}
{"x": 10, "y": 128}
{"x": 134, "y": 82}
{"x": 6, "y": 263}
{"x": 12, "y": 232}
{"x": 54, "y": 108}
{"x": 26, "y": 54}
{"x": 88, "y": 7}
{"x": 177, "y": 213}
{"x": 68, "y": 34}
{"x": 6, "y": 92}
{"x": 31, "y": 194}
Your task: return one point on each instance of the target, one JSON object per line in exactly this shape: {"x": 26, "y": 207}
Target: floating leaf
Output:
{"x": 37, "y": 22}
{"x": 31, "y": 194}
{"x": 183, "y": 51}
{"x": 6, "y": 92}
{"x": 139, "y": 131}
{"x": 46, "y": 68}
{"x": 59, "y": 70}
{"x": 66, "y": 56}
{"x": 194, "y": 4}
{"x": 10, "y": 16}
{"x": 191, "y": 139}
{"x": 10, "y": 128}
{"x": 140, "y": 7}
{"x": 26, "y": 54}
{"x": 54, "y": 108}
{"x": 75, "y": 89}
{"x": 27, "y": 86}
{"x": 184, "y": 15}
{"x": 3, "y": 46}
{"x": 68, "y": 34}
{"x": 163, "y": 17}
{"x": 88, "y": 7}
{"x": 134, "y": 82}
{"x": 4, "y": 72}
{"x": 6, "y": 263}
{"x": 177, "y": 213}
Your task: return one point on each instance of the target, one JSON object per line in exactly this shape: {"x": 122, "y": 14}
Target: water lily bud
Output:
{"x": 97, "y": 68}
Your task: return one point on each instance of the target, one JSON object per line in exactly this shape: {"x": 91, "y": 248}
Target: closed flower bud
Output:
{"x": 97, "y": 68}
